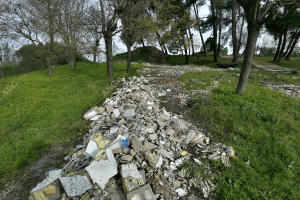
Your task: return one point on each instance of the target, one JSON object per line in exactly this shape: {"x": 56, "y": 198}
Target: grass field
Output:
{"x": 38, "y": 112}
{"x": 262, "y": 125}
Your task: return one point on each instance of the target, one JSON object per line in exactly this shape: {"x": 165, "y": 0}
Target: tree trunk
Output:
{"x": 185, "y": 50}
{"x": 73, "y": 61}
{"x": 220, "y": 32}
{"x": 278, "y": 48}
{"x": 200, "y": 32}
{"x": 95, "y": 50}
{"x": 162, "y": 46}
{"x": 192, "y": 41}
{"x": 1, "y": 73}
{"x": 215, "y": 30}
{"x": 128, "y": 58}
{"x": 293, "y": 46}
{"x": 282, "y": 49}
{"x": 235, "y": 53}
{"x": 241, "y": 36}
{"x": 289, "y": 46}
{"x": 49, "y": 66}
{"x": 248, "y": 58}
{"x": 108, "y": 47}
{"x": 143, "y": 43}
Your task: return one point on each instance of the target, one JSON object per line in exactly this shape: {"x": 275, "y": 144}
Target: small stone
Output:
{"x": 136, "y": 144}
{"x": 128, "y": 158}
{"x": 230, "y": 152}
{"x": 181, "y": 192}
{"x": 109, "y": 107}
{"x": 184, "y": 153}
{"x": 132, "y": 152}
{"x": 129, "y": 113}
{"x": 116, "y": 113}
{"x": 176, "y": 184}
{"x": 153, "y": 137}
{"x": 215, "y": 83}
{"x": 149, "y": 146}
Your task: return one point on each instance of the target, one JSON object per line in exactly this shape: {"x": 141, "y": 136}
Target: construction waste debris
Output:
{"x": 135, "y": 150}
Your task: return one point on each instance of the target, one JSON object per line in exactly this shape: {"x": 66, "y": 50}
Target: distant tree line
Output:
{"x": 77, "y": 26}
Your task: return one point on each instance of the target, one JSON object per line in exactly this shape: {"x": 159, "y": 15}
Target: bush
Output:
{"x": 33, "y": 58}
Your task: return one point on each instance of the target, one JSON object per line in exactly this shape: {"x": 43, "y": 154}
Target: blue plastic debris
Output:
{"x": 125, "y": 143}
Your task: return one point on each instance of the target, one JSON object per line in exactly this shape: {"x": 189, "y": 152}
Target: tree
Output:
{"x": 93, "y": 27}
{"x": 70, "y": 27}
{"x": 295, "y": 40}
{"x": 234, "y": 36}
{"x": 134, "y": 23}
{"x": 198, "y": 22}
{"x": 108, "y": 16}
{"x": 215, "y": 30}
{"x": 256, "y": 12}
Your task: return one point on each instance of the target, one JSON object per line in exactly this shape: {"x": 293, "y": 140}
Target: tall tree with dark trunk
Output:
{"x": 109, "y": 26}
{"x": 278, "y": 48}
{"x": 256, "y": 12}
{"x": 282, "y": 48}
{"x": 215, "y": 29}
{"x": 198, "y": 24}
{"x": 293, "y": 45}
{"x": 234, "y": 36}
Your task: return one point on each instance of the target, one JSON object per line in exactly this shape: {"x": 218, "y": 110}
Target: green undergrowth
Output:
{"x": 263, "y": 126}
{"x": 39, "y": 113}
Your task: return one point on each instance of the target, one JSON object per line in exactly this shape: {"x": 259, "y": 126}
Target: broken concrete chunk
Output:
{"x": 96, "y": 117}
{"x": 50, "y": 192}
{"x": 129, "y": 113}
{"x": 53, "y": 175}
{"x": 109, "y": 107}
{"x": 92, "y": 149}
{"x": 136, "y": 144}
{"x": 113, "y": 130}
{"x": 143, "y": 193}
{"x": 131, "y": 177}
{"x": 101, "y": 171}
{"x": 165, "y": 153}
{"x": 180, "y": 124}
{"x": 75, "y": 185}
{"x": 154, "y": 160}
{"x": 181, "y": 192}
{"x": 116, "y": 113}
{"x": 194, "y": 137}
{"x": 149, "y": 146}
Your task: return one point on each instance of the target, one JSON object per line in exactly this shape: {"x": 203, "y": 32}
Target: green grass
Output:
{"x": 293, "y": 63}
{"x": 262, "y": 125}
{"x": 38, "y": 112}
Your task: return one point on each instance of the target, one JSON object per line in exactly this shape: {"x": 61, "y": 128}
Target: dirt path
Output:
{"x": 272, "y": 67}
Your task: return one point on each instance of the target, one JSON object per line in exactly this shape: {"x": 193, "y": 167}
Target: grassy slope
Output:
{"x": 263, "y": 126}
{"x": 38, "y": 112}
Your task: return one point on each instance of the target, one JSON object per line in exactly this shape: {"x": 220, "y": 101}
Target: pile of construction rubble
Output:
{"x": 134, "y": 150}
